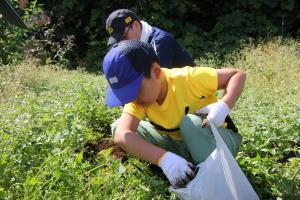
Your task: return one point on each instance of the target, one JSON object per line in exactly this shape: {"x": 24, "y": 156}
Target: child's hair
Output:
{"x": 147, "y": 70}
{"x": 141, "y": 55}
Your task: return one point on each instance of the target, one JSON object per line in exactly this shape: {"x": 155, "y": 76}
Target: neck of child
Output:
{"x": 163, "y": 91}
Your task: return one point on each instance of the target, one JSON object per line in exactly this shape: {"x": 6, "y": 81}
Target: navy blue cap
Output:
{"x": 116, "y": 23}
{"x": 124, "y": 67}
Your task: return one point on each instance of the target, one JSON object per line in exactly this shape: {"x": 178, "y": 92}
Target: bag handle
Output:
{"x": 219, "y": 140}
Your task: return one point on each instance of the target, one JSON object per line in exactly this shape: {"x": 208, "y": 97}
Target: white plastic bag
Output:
{"x": 219, "y": 177}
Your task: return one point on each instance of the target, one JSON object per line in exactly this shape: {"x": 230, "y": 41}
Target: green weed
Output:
{"x": 48, "y": 112}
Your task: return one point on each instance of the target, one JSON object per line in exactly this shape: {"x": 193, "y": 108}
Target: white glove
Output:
{"x": 217, "y": 112}
{"x": 178, "y": 171}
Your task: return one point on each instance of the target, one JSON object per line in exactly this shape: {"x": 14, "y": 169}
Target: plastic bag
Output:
{"x": 219, "y": 177}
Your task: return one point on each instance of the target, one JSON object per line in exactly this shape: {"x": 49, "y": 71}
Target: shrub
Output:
{"x": 202, "y": 27}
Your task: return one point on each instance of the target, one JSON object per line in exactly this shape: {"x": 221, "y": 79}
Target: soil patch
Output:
{"x": 92, "y": 148}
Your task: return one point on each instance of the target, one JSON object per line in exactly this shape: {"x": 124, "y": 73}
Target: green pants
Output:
{"x": 196, "y": 144}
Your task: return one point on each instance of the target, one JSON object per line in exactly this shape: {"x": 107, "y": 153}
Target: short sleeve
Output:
{"x": 204, "y": 80}
{"x": 136, "y": 110}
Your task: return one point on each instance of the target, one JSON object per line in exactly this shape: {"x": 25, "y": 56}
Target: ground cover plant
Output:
{"x": 55, "y": 126}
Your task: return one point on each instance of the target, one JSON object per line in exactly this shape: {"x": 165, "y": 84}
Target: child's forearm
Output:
{"x": 133, "y": 144}
{"x": 234, "y": 88}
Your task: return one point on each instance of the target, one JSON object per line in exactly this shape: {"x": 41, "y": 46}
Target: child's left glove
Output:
{"x": 178, "y": 171}
{"x": 217, "y": 112}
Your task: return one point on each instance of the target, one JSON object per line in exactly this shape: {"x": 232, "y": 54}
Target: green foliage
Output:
{"x": 268, "y": 117}
{"x": 44, "y": 44}
{"x": 14, "y": 41}
{"x": 48, "y": 112}
{"x": 11, "y": 41}
{"x": 202, "y": 27}
{"x": 38, "y": 40}
{"x": 77, "y": 32}
{"x": 48, "y": 50}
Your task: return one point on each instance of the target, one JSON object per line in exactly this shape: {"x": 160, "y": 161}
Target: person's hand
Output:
{"x": 178, "y": 171}
{"x": 217, "y": 113}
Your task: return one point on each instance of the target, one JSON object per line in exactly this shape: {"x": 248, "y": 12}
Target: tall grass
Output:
{"x": 47, "y": 113}
{"x": 268, "y": 115}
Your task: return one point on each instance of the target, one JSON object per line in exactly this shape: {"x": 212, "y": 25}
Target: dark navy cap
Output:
{"x": 116, "y": 23}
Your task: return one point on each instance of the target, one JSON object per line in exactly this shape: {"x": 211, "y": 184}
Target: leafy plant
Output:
{"x": 11, "y": 41}
{"x": 48, "y": 112}
{"x": 215, "y": 27}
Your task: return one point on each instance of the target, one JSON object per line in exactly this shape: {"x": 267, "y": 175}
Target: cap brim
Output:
{"x": 124, "y": 95}
{"x": 115, "y": 38}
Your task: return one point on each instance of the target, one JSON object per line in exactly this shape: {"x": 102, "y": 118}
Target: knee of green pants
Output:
{"x": 201, "y": 142}
{"x": 148, "y": 132}
{"x": 145, "y": 130}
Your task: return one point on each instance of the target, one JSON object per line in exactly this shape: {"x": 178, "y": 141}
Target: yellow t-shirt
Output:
{"x": 192, "y": 87}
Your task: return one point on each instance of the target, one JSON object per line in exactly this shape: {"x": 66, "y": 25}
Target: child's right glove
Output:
{"x": 178, "y": 171}
{"x": 217, "y": 112}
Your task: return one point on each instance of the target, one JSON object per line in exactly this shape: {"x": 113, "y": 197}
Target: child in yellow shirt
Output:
{"x": 158, "y": 123}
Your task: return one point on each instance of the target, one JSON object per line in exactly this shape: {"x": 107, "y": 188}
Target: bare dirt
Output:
{"x": 92, "y": 148}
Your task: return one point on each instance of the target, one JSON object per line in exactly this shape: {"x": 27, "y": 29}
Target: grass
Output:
{"x": 47, "y": 113}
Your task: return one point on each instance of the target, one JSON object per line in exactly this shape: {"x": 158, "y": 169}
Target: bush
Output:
{"x": 200, "y": 26}
{"x": 11, "y": 43}
{"x": 37, "y": 40}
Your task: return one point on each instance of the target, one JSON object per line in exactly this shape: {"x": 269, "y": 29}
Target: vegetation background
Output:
{"x": 76, "y": 33}
{"x": 52, "y": 105}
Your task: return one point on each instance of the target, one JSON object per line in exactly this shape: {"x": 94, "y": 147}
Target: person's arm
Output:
{"x": 127, "y": 138}
{"x": 232, "y": 81}
{"x": 178, "y": 171}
